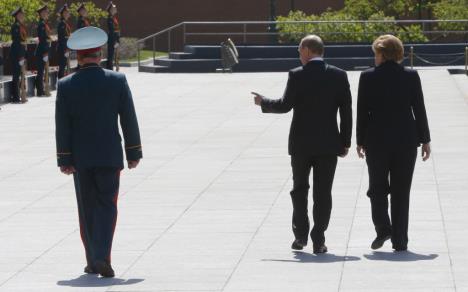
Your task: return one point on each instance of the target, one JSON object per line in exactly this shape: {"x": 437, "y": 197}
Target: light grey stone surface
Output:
{"x": 209, "y": 209}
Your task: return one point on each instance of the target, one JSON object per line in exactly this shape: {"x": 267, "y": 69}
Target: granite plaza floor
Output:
{"x": 209, "y": 208}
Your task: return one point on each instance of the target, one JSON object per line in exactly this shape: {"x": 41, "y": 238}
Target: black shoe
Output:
{"x": 89, "y": 270}
{"x": 104, "y": 269}
{"x": 298, "y": 244}
{"x": 318, "y": 249}
{"x": 400, "y": 248}
{"x": 379, "y": 241}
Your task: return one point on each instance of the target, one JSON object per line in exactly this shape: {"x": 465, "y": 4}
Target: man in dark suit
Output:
{"x": 42, "y": 50}
{"x": 113, "y": 31}
{"x": 316, "y": 92}
{"x": 88, "y": 107}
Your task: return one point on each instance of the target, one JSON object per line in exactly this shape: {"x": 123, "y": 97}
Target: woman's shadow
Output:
{"x": 404, "y": 256}
{"x": 304, "y": 257}
{"x": 95, "y": 281}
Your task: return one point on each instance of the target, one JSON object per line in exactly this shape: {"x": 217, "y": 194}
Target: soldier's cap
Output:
{"x": 87, "y": 40}
{"x": 81, "y": 6}
{"x": 110, "y": 5}
{"x": 16, "y": 11}
{"x": 63, "y": 8}
{"x": 42, "y": 8}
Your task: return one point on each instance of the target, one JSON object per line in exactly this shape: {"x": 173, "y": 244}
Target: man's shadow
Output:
{"x": 95, "y": 281}
{"x": 304, "y": 257}
{"x": 403, "y": 256}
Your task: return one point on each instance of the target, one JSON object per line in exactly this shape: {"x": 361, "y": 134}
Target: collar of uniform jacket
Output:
{"x": 90, "y": 65}
{"x": 316, "y": 59}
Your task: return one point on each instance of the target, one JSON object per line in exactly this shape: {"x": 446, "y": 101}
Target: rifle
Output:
{"x": 117, "y": 59}
{"x": 23, "y": 90}
{"x": 46, "y": 79}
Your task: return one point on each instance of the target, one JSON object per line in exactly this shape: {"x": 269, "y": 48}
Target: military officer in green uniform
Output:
{"x": 17, "y": 52}
{"x": 113, "y": 32}
{"x": 63, "y": 32}
{"x": 42, "y": 50}
{"x": 89, "y": 105}
{"x": 82, "y": 17}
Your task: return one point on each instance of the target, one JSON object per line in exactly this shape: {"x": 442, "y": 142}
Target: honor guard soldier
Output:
{"x": 42, "y": 52}
{"x": 82, "y": 17}
{"x": 113, "y": 42}
{"x": 18, "y": 56}
{"x": 89, "y": 105}
{"x": 63, "y": 31}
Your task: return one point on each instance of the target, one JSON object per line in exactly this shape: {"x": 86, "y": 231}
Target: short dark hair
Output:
{"x": 314, "y": 43}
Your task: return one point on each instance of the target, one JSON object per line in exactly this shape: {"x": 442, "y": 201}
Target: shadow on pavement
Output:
{"x": 404, "y": 256}
{"x": 304, "y": 257}
{"x": 95, "y": 281}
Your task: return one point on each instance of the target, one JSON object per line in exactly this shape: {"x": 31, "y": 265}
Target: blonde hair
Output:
{"x": 390, "y": 47}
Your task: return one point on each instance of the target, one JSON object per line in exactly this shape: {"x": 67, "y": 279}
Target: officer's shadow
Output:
{"x": 404, "y": 256}
{"x": 95, "y": 281}
{"x": 304, "y": 257}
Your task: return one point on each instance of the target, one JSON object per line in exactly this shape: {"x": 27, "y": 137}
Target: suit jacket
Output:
{"x": 316, "y": 92}
{"x": 391, "y": 111}
{"x": 88, "y": 106}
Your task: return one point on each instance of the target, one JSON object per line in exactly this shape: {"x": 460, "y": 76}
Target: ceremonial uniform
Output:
{"x": 114, "y": 39}
{"x": 17, "y": 54}
{"x": 42, "y": 54}
{"x": 88, "y": 107}
{"x": 82, "y": 22}
{"x": 63, "y": 31}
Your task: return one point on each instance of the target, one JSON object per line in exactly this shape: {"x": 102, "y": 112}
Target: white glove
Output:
{"x": 45, "y": 59}
{"x": 116, "y": 45}
{"x": 21, "y": 62}
{"x": 67, "y": 54}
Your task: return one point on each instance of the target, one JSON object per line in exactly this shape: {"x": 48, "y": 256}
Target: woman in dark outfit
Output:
{"x": 391, "y": 125}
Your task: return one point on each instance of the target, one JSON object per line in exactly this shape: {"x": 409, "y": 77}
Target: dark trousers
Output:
{"x": 62, "y": 60}
{"x": 110, "y": 56}
{"x": 40, "y": 75}
{"x": 97, "y": 192}
{"x": 391, "y": 172}
{"x": 15, "y": 84}
{"x": 323, "y": 174}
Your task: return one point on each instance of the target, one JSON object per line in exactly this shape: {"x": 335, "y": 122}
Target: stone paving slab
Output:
{"x": 209, "y": 207}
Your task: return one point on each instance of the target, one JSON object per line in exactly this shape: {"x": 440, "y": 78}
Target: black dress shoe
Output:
{"x": 379, "y": 241}
{"x": 400, "y": 248}
{"x": 104, "y": 269}
{"x": 89, "y": 270}
{"x": 318, "y": 249}
{"x": 298, "y": 244}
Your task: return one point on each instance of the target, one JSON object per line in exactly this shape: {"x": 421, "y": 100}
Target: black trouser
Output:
{"x": 323, "y": 174}
{"x": 97, "y": 192}
{"x": 110, "y": 56}
{"x": 391, "y": 172}
{"x": 62, "y": 60}
{"x": 15, "y": 84}
{"x": 40, "y": 75}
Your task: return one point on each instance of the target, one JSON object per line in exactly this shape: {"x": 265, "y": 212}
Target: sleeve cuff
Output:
{"x": 64, "y": 159}
{"x": 134, "y": 153}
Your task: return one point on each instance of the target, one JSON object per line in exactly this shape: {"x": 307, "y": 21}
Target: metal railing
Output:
{"x": 247, "y": 29}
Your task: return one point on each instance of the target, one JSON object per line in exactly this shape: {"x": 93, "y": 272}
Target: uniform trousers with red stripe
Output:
{"x": 97, "y": 192}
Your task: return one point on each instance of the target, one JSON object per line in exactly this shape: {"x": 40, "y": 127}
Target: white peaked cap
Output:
{"x": 87, "y": 38}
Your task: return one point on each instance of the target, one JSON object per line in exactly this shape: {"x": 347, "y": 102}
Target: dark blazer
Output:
{"x": 89, "y": 104}
{"x": 316, "y": 92}
{"x": 391, "y": 111}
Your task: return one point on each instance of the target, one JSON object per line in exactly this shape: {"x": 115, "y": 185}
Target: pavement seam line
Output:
{"x": 441, "y": 209}
{"x": 351, "y": 227}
